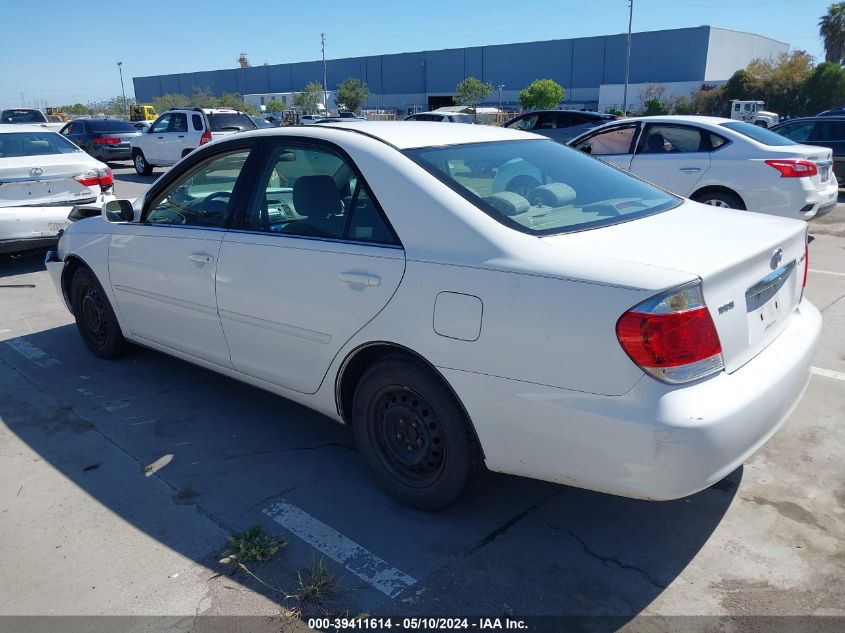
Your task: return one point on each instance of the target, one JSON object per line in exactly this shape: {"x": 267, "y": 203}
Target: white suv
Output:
{"x": 177, "y": 132}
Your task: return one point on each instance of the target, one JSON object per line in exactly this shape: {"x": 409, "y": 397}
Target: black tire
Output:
{"x": 185, "y": 152}
{"x": 94, "y": 316}
{"x": 142, "y": 167}
{"x": 719, "y": 199}
{"x": 414, "y": 434}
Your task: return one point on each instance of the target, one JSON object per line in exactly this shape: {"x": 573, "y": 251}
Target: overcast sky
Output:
{"x": 68, "y": 52}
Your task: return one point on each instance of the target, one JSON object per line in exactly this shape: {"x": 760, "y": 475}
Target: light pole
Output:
{"x": 122, "y": 91}
{"x": 325, "y": 88}
{"x": 628, "y": 58}
{"x": 499, "y": 88}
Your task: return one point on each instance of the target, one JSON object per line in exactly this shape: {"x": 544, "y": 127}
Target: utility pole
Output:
{"x": 628, "y": 57}
{"x": 122, "y": 91}
{"x": 325, "y": 87}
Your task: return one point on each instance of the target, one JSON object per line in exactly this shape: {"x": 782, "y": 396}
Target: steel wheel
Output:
{"x": 94, "y": 315}
{"x": 409, "y": 437}
{"x": 714, "y": 202}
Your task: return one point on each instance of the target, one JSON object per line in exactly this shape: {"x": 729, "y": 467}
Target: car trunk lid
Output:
{"x": 751, "y": 266}
{"x": 45, "y": 180}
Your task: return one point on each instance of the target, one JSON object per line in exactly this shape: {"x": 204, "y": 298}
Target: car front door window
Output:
{"x": 202, "y": 198}
{"x": 161, "y": 125}
{"x": 615, "y": 141}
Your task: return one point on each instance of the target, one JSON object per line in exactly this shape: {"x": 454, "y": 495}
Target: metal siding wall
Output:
{"x": 254, "y": 80}
{"x": 339, "y": 69}
{"x": 306, "y": 72}
{"x": 374, "y": 75}
{"x": 587, "y": 62}
{"x": 444, "y": 69}
{"x": 474, "y": 62}
{"x": 146, "y": 88}
{"x": 169, "y": 84}
{"x": 403, "y": 73}
{"x": 658, "y": 56}
{"x": 507, "y": 64}
{"x": 206, "y": 80}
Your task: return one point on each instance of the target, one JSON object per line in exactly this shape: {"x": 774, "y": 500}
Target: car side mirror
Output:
{"x": 587, "y": 149}
{"x": 118, "y": 211}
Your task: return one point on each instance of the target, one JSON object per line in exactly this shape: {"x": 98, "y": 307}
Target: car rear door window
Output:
{"x": 528, "y": 122}
{"x": 196, "y": 121}
{"x": 204, "y": 196}
{"x": 673, "y": 139}
{"x": 798, "y": 132}
{"x": 826, "y": 131}
{"x": 179, "y": 122}
{"x": 313, "y": 192}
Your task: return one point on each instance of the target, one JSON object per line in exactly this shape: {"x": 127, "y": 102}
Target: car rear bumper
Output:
{"x": 25, "y": 228}
{"x": 795, "y": 198}
{"x": 657, "y": 441}
{"x": 106, "y": 153}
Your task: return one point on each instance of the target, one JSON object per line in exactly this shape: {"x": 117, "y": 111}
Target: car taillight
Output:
{"x": 790, "y": 168}
{"x": 806, "y": 265}
{"x": 102, "y": 176}
{"x": 672, "y": 336}
{"x": 107, "y": 140}
{"x": 206, "y": 137}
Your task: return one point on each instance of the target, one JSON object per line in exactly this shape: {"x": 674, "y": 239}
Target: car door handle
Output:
{"x": 690, "y": 170}
{"x": 160, "y": 137}
{"x": 201, "y": 258}
{"x": 181, "y": 136}
{"x": 363, "y": 279}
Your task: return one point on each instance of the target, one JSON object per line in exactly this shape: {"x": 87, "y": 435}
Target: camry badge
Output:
{"x": 36, "y": 171}
{"x": 776, "y": 257}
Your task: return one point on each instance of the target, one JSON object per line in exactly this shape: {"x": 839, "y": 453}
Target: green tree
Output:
{"x": 202, "y": 98}
{"x": 76, "y": 108}
{"x": 471, "y": 91}
{"x": 832, "y": 32}
{"x": 824, "y": 88}
{"x": 171, "y": 100}
{"x": 682, "y": 105}
{"x": 274, "y": 107}
{"x": 654, "y": 107}
{"x": 741, "y": 86}
{"x": 235, "y": 101}
{"x": 541, "y": 94}
{"x": 308, "y": 99}
{"x": 352, "y": 93}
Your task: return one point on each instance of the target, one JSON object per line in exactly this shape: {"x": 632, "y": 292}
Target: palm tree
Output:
{"x": 832, "y": 31}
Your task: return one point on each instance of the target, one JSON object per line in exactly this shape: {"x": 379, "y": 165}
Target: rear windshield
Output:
{"x": 22, "y": 116}
{"x": 110, "y": 125}
{"x": 230, "y": 122}
{"x": 758, "y": 133}
{"x": 34, "y": 144}
{"x": 541, "y": 187}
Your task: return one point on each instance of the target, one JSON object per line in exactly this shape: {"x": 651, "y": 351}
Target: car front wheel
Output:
{"x": 94, "y": 316}
{"x": 141, "y": 165}
{"x": 414, "y": 434}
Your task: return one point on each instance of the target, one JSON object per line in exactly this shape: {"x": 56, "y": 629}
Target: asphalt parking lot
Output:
{"x": 124, "y": 478}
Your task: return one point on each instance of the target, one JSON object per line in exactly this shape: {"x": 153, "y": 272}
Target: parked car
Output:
{"x": 822, "y": 131}
{"x": 599, "y": 332}
{"x": 143, "y": 126}
{"x": 309, "y": 119}
{"x": 43, "y": 176}
{"x": 351, "y": 115}
{"x": 22, "y": 115}
{"x": 261, "y": 122}
{"x": 440, "y": 117}
{"x": 720, "y": 162}
{"x": 559, "y": 125}
{"x": 833, "y": 112}
{"x": 105, "y": 139}
{"x": 178, "y": 132}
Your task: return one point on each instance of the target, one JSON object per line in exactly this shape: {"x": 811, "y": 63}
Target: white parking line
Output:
{"x": 827, "y": 272}
{"x": 33, "y": 353}
{"x": 828, "y": 373}
{"x": 359, "y": 560}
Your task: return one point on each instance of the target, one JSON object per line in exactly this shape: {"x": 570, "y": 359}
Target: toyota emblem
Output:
{"x": 36, "y": 171}
{"x": 776, "y": 257}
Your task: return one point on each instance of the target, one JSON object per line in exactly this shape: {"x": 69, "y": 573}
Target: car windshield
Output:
{"x": 541, "y": 187}
{"x": 34, "y": 144}
{"x": 110, "y": 125}
{"x": 230, "y": 122}
{"x": 259, "y": 122}
{"x": 758, "y": 133}
{"x": 22, "y": 116}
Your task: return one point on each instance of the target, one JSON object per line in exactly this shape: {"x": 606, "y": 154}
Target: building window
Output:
{"x": 262, "y": 101}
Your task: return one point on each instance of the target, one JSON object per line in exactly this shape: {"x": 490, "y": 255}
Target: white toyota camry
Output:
{"x": 42, "y": 177}
{"x": 595, "y": 331}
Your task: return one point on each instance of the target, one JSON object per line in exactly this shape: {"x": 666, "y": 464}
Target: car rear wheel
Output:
{"x": 414, "y": 434}
{"x": 94, "y": 316}
{"x": 719, "y": 199}
{"x": 141, "y": 165}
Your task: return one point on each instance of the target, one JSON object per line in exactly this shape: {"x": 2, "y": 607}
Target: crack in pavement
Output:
{"x": 605, "y": 560}
{"x": 291, "y": 449}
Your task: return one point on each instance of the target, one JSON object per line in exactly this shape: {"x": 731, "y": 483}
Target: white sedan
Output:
{"x": 720, "y": 162}
{"x": 597, "y": 332}
{"x": 42, "y": 177}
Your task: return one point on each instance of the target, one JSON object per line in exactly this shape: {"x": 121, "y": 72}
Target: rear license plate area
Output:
{"x": 769, "y": 301}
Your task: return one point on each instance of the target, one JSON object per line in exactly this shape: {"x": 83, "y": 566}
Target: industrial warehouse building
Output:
{"x": 591, "y": 69}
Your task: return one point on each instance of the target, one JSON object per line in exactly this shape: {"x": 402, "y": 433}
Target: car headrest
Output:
{"x": 316, "y": 195}
{"x": 555, "y": 194}
{"x": 508, "y": 203}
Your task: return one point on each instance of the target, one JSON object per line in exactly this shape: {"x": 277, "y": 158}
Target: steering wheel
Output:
{"x": 223, "y": 196}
